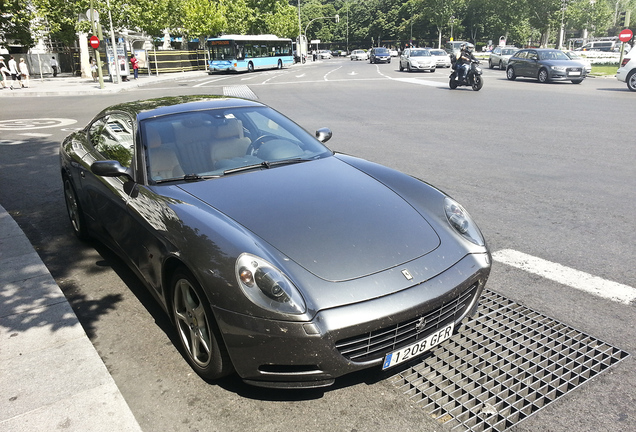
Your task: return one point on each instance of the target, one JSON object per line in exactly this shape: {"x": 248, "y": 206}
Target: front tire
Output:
{"x": 197, "y": 331}
{"x": 250, "y": 67}
{"x": 543, "y": 76}
{"x": 631, "y": 80}
{"x": 401, "y": 67}
{"x": 510, "y": 74}
{"x": 74, "y": 210}
{"x": 478, "y": 83}
{"x": 452, "y": 83}
{"x": 280, "y": 64}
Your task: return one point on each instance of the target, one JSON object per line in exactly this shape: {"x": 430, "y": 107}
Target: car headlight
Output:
{"x": 268, "y": 287}
{"x": 558, "y": 68}
{"x": 461, "y": 221}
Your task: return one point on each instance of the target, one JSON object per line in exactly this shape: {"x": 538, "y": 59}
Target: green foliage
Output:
{"x": 365, "y": 22}
{"x": 14, "y": 22}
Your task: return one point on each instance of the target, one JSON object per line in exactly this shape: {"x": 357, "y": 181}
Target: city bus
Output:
{"x": 240, "y": 53}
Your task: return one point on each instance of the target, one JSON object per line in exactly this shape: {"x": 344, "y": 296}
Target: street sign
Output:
{"x": 94, "y": 41}
{"x": 625, "y": 35}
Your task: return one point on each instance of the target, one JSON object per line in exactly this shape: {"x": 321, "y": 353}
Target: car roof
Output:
{"x": 178, "y": 104}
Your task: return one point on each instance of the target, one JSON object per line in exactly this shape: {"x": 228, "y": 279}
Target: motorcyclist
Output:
{"x": 463, "y": 61}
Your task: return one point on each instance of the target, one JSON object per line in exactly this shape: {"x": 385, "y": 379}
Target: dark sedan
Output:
{"x": 545, "y": 65}
{"x": 274, "y": 257}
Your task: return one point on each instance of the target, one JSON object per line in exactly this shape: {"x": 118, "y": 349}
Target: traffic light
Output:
{"x": 623, "y": 19}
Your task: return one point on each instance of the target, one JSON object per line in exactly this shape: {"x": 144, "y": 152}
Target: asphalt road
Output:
{"x": 545, "y": 169}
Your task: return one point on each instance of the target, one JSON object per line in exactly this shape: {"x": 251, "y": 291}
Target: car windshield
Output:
{"x": 438, "y": 52}
{"x": 381, "y": 51}
{"x": 420, "y": 53}
{"x": 508, "y": 51}
{"x": 552, "y": 55}
{"x": 212, "y": 143}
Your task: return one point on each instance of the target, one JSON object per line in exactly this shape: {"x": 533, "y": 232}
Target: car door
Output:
{"x": 404, "y": 58}
{"x": 532, "y": 64}
{"x": 495, "y": 56}
{"x": 121, "y": 208}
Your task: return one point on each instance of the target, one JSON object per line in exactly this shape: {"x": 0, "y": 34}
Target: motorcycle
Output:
{"x": 473, "y": 78}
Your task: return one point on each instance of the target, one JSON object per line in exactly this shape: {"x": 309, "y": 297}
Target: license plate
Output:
{"x": 575, "y": 73}
{"x": 419, "y": 347}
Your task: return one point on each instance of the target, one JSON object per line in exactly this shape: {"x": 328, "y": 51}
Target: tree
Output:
{"x": 202, "y": 18}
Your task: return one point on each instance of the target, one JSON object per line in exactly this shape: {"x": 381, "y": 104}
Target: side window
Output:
{"x": 112, "y": 137}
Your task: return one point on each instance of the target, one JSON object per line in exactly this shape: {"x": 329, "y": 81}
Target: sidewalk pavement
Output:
{"x": 69, "y": 85}
{"x": 51, "y": 376}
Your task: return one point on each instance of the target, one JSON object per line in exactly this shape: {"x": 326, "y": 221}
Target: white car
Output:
{"x": 627, "y": 72}
{"x": 442, "y": 57}
{"x": 415, "y": 59}
{"x": 359, "y": 55}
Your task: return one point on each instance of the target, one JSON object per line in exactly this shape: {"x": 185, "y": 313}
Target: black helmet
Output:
{"x": 462, "y": 46}
{"x": 470, "y": 48}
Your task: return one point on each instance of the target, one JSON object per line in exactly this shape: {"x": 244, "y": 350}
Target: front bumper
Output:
{"x": 382, "y": 59}
{"x": 566, "y": 75}
{"x": 420, "y": 66}
{"x": 336, "y": 342}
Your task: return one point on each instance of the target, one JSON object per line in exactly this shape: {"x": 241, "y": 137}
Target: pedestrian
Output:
{"x": 4, "y": 71}
{"x": 15, "y": 74}
{"x": 93, "y": 69}
{"x": 24, "y": 71}
{"x": 135, "y": 65}
{"x": 54, "y": 66}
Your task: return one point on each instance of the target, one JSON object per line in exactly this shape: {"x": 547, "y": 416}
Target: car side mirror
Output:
{"x": 324, "y": 134}
{"x": 110, "y": 168}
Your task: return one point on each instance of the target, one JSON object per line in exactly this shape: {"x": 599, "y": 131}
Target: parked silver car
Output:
{"x": 414, "y": 59}
{"x": 500, "y": 55}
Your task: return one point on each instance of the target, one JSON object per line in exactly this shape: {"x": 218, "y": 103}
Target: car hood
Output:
{"x": 330, "y": 218}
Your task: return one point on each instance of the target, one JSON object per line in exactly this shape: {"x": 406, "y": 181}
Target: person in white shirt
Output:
{"x": 24, "y": 71}
{"x": 15, "y": 74}
{"x": 54, "y": 66}
{"x": 4, "y": 71}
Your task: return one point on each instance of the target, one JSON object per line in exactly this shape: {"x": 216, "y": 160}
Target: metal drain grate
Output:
{"x": 241, "y": 91}
{"x": 507, "y": 363}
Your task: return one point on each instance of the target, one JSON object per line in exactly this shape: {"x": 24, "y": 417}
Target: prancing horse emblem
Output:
{"x": 407, "y": 274}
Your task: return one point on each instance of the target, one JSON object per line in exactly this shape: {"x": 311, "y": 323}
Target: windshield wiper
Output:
{"x": 197, "y": 177}
{"x": 264, "y": 164}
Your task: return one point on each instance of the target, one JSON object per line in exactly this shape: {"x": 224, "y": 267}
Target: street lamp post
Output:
{"x": 337, "y": 18}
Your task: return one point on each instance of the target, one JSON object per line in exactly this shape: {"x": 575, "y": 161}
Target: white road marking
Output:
{"x": 36, "y": 135}
{"x": 421, "y": 82}
{"x": 327, "y": 74}
{"x": 567, "y": 276}
{"x": 37, "y": 123}
{"x": 210, "y": 81}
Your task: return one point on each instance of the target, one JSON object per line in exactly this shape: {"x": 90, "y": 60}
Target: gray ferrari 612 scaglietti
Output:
{"x": 275, "y": 257}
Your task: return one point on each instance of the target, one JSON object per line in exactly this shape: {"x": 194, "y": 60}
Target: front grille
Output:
{"x": 376, "y": 344}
